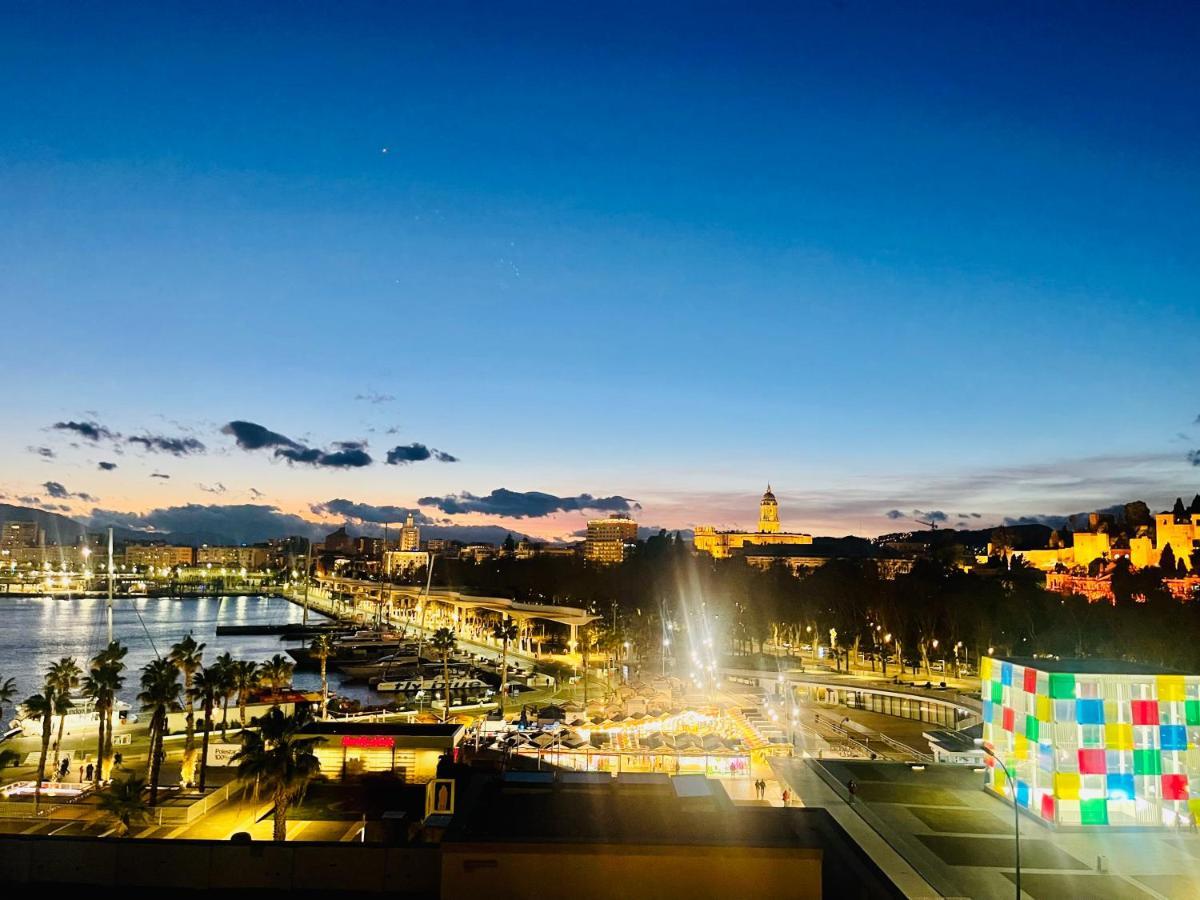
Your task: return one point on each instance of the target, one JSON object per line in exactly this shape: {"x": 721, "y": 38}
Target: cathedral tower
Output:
{"x": 768, "y": 513}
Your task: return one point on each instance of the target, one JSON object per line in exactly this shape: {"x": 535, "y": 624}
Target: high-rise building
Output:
{"x": 159, "y": 555}
{"x": 607, "y": 537}
{"x": 410, "y": 535}
{"x": 18, "y": 535}
{"x": 339, "y": 542}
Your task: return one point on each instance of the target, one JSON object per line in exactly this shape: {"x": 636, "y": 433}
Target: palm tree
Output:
{"x": 225, "y": 667}
{"x": 246, "y": 676}
{"x": 45, "y": 706}
{"x": 322, "y": 648}
{"x": 8, "y": 690}
{"x": 277, "y": 672}
{"x": 123, "y": 803}
{"x": 445, "y": 642}
{"x": 160, "y": 691}
{"x": 64, "y": 675}
{"x": 278, "y": 761}
{"x": 187, "y": 656}
{"x": 205, "y": 689}
{"x": 504, "y": 632}
{"x": 102, "y": 684}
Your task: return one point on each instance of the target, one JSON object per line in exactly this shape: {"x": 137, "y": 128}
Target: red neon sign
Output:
{"x": 373, "y": 742}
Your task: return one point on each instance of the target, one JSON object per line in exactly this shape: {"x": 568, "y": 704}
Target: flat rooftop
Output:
{"x": 1087, "y": 666}
{"x": 389, "y": 729}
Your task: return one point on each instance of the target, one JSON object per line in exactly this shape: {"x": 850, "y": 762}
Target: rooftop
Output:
{"x": 1087, "y": 666}
{"x": 391, "y": 729}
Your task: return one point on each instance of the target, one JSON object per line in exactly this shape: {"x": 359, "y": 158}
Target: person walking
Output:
{"x": 89, "y": 770}
{"x": 787, "y": 797}
{"x": 852, "y": 787}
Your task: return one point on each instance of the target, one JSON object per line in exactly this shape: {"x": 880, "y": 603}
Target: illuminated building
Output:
{"x": 20, "y": 535}
{"x": 606, "y": 539}
{"x": 1093, "y": 742}
{"x": 158, "y": 555}
{"x": 410, "y": 535}
{"x": 409, "y": 750}
{"x": 723, "y": 544}
{"x": 234, "y": 557}
{"x": 395, "y": 561}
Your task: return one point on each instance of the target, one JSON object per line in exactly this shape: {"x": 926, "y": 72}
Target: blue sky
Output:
{"x": 923, "y": 257}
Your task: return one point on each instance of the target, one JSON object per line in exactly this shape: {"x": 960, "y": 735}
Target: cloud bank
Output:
{"x": 525, "y": 504}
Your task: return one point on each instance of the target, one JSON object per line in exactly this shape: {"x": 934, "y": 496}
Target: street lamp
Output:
{"x": 1012, "y": 783}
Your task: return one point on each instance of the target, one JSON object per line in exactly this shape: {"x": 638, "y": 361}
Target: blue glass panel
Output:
{"x": 1022, "y": 792}
{"x": 1173, "y": 737}
{"x": 1006, "y": 674}
{"x": 1120, "y": 787}
{"x": 1089, "y": 712}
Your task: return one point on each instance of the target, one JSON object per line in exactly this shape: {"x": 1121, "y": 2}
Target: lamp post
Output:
{"x": 1012, "y": 783}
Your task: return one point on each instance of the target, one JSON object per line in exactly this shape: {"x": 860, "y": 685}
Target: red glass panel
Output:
{"x": 1031, "y": 681}
{"x": 1008, "y": 718}
{"x": 1091, "y": 762}
{"x": 1175, "y": 787}
{"x": 1145, "y": 712}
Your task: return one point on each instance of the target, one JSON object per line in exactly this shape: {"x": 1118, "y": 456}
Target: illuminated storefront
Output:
{"x": 1094, "y": 742}
{"x": 350, "y": 749}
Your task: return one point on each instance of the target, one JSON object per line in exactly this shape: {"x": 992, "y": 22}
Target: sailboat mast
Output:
{"x": 108, "y": 611}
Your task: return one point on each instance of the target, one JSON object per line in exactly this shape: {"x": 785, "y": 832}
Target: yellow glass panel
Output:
{"x": 1020, "y": 746}
{"x": 1170, "y": 688}
{"x": 1045, "y": 709}
{"x": 1118, "y": 736}
{"x": 1066, "y": 786}
{"x": 985, "y": 669}
{"x": 998, "y": 779}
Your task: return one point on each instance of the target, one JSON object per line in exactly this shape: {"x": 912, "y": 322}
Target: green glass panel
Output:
{"x": 1031, "y": 727}
{"x": 1191, "y": 710}
{"x": 997, "y": 692}
{"x": 1147, "y": 762}
{"x": 1093, "y": 812}
{"x": 1062, "y": 685}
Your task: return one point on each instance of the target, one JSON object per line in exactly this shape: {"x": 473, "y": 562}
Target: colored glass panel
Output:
{"x": 1031, "y": 727}
{"x": 1170, "y": 688}
{"x": 987, "y": 710}
{"x": 1145, "y": 712}
{"x": 1048, "y": 807}
{"x": 1062, "y": 685}
{"x": 1120, "y": 786}
{"x": 1191, "y": 712}
{"x": 1089, "y": 712}
{"x": 1020, "y": 746}
{"x": 1066, "y": 785}
{"x": 1008, "y": 718}
{"x": 1174, "y": 787}
{"x": 1022, "y": 792}
{"x": 1118, "y": 735}
{"x": 1091, "y": 762}
{"x": 1173, "y": 737}
{"x": 1093, "y": 812}
{"x": 985, "y": 668}
{"x": 1006, "y": 673}
{"x": 1045, "y": 709}
{"x": 998, "y": 694}
{"x": 1031, "y": 681}
{"x": 1147, "y": 762}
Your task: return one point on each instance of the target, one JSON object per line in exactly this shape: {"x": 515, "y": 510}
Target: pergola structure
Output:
{"x": 468, "y": 615}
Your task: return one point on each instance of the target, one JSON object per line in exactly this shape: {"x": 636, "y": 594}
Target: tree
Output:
{"x": 1166, "y": 561}
{"x": 160, "y": 691}
{"x": 277, "y": 672}
{"x": 225, "y": 675}
{"x": 510, "y": 545}
{"x": 206, "y": 688}
{"x": 278, "y": 761}
{"x": 504, "y": 632}
{"x": 187, "y": 656}
{"x": 122, "y": 802}
{"x": 44, "y": 706}
{"x": 322, "y": 648}
{"x": 445, "y": 643}
{"x": 64, "y": 676}
{"x": 103, "y": 682}
{"x": 245, "y": 677}
{"x": 8, "y": 690}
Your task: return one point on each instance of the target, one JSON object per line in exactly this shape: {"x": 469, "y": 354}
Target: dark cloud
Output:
{"x": 932, "y": 515}
{"x": 894, "y": 514}
{"x": 1194, "y": 457}
{"x": 30, "y": 501}
{"x": 1050, "y": 521}
{"x": 367, "y": 512}
{"x": 176, "y": 446}
{"x": 57, "y": 491}
{"x": 92, "y": 431}
{"x": 159, "y": 475}
{"x": 525, "y": 504}
{"x": 256, "y": 493}
{"x": 44, "y": 452}
{"x": 375, "y": 397}
{"x": 217, "y": 488}
{"x": 410, "y": 453}
{"x": 106, "y": 466}
{"x": 344, "y": 455}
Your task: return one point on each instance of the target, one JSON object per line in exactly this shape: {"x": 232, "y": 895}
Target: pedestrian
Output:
{"x": 81, "y": 774}
{"x": 63, "y": 768}
{"x": 90, "y": 769}
{"x": 852, "y": 787}
{"x": 787, "y": 797}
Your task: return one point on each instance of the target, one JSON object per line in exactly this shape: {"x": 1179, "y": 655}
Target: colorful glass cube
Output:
{"x": 1147, "y": 762}
{"x": 1093, "y": 812}
{"x": 1145, "y": 712}
{"x": 1173, "y": 737}
{"x": 1120, "y": 786}
{"x": 1089, "y": 712}
{"x": 1062, "y": 686}
{"x": 1092, "y": 762}
{"x": 1175, "y": 787}
{"x": 1030, "y": 681}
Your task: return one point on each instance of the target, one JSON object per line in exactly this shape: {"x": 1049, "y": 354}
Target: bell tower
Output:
{"x": 768, "y": 513}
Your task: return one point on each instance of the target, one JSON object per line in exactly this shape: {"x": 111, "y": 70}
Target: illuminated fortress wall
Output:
{"x": 1116, "y": 744}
